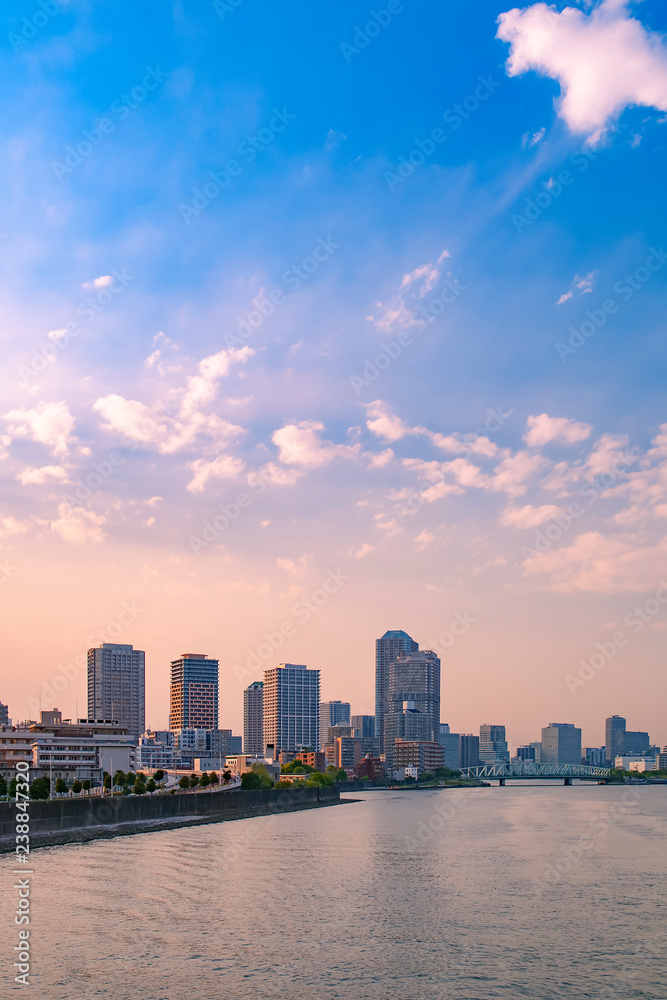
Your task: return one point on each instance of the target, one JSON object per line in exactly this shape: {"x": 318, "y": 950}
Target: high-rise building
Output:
{"x": 635, "y": 742}
{"x": 4, "y": 715}
{"x": 253, "y": 718}
{"x": 387, "y": 649}
{"x": 468, "y": 750}
{"x": 561, "y": 744}
{"x": 450, "y": 743}
{"x": 614, "y": 731}
{"x": 415, "y": 677}
{"x": 407, "y": 724}
{"x": 291, "y": 707}
{"x": 116, "y": 686}
{"x": 493, "y": 745}
{"x": 194, "y": 692}
{"x": 332, "y": 713}
{"x": 595, "y": 756}
{"x": 537, "y": 747}
{"x": 525, "y": 754}
{"x": 364, "y": 725}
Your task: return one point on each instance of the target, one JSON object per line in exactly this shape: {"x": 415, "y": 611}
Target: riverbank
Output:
{"x": 70, "y": 820}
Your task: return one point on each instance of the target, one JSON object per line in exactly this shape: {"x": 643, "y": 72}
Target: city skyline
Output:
{"x": 596, "y": 737}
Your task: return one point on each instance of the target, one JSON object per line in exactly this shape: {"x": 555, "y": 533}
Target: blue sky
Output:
{"x": 159, "y": 378}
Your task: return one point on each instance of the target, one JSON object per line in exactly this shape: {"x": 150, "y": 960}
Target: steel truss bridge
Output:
{"x": 528, "y": 769}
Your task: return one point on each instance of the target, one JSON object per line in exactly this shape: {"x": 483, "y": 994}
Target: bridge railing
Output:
{"x": 529, "y": 769}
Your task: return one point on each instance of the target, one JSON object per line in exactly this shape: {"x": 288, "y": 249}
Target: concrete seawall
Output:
{"x": 70, "y": 820}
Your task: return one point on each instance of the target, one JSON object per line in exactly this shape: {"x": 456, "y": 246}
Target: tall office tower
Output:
{"x": 116, "y": 686}
{"x": 408, "y": 723}
{"x": 194, "y": 692}
{"x": 291, "y": 707}
{"x": 4, "y": 715}
{"x": 468, "y": 750}
{"x": 493, "y": 745}
{"x": 415, "y": 677}
{"x": 332, "y": 713}
{"x": 387, "y": 649}
{"x": 614, "y": 730}
{"x": 450, "y": 743}
{"x": 561, "y": 744}
{"x": 253, "y": 718}
{"x": 364, "y": 725}
{"x": 524, "y": 754}
{"x": 537, "y": 747}
{"x": 635, "y": 742}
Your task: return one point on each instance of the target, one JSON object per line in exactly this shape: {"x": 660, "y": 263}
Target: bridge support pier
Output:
{"x": 501, "y": 781}
{"x": 567, "y": 781}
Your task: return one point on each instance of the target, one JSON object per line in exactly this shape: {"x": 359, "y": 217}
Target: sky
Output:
{"x": 320, "y": 320}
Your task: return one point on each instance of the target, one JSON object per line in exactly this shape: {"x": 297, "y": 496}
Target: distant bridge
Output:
{"x": 529, "y": 769}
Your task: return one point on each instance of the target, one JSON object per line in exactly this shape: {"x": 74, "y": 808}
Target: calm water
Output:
{"x": 531, "y": 891}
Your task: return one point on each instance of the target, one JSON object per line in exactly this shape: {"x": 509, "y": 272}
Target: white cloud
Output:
{"x": 31, "y": 476}
{"x": 528, "y": 516}
{"x": 300, "y": 444}
{"x": 274, "y": 475}
{"x": 609, "y": 455}
{"x": 382, "y": 422}
{"x": 202, "y": 388}
{"x": 564, "y": 297}
{"x": 532, "y": 140}
{"x": 544, "y": 429}
{"x": 396, "y": 314}
{"x": 11, "y": 526}
{"x": 512, "y": 474}
{"x": 605, "y": 565}
{"x": 363, "y": 550}
{"x": 102, "y": 282}
{"x": 222, "y": 467}
{"x": 129, "y": 417}
{"x": 297, "y": 567}
{"x": 50, "y": 424}
{"x": 604, "y": 61}
{"x": 78, "y": 525}
{"x": 424, "y": 540}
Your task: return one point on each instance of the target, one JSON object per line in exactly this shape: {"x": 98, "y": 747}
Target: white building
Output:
{"x": 633, "y": 762}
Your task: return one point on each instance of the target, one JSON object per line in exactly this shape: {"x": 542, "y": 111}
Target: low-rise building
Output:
{"x": 369, "y": 767}
{"x": 636, "y": 762}
{"x": 425, "y": 755}
{"x": 62, "y": 749}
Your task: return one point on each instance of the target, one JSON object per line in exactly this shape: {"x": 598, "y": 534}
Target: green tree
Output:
{"x": 40, "y": 788}
{"x": 264, "y": 776}
{"x": 139, "y": 788}
{"x": 125, "y": 790}
{"x": 341, "y": 774}
{"x": 159, "y": 775}
{"x": 214, "y": 779}
{"x": 76, "y": 787}
{"x": 250, "y": 780}
{"x": 194, "y": 780}
{"x": 150, "y": 785}
{"x": 204, "y": 781}
{"x": 130, "y": 778}
{"x": 3, "y": 786}
{"x": 120, "y": 778}
{"x": 107, "y": 782}
{"x": 86, "y": 784}
{"x": 61, "y": 786}
{"x": 184, "y": 782}
{"x": 227, "y": 775}
{"x": 319, "y": 779}
{"x": 12, "y": 788}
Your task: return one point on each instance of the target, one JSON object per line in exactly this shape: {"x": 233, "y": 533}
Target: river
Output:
{"x": 532, "y": 890}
